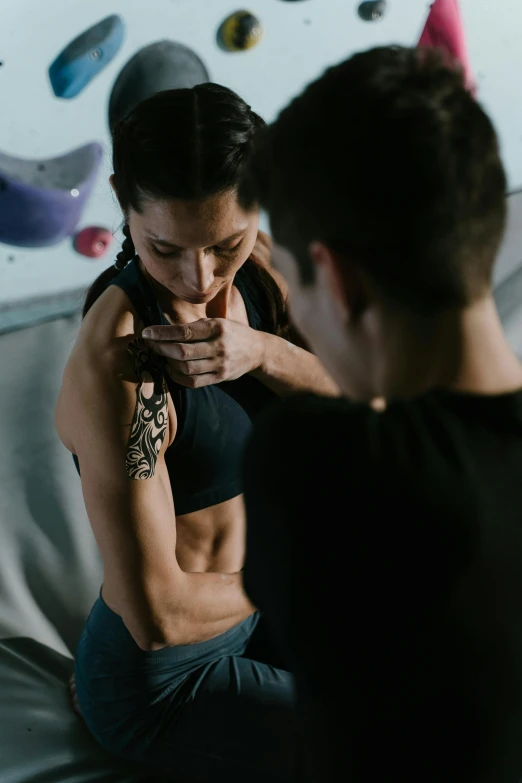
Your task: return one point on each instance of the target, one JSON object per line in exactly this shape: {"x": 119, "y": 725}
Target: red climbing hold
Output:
{"x": 93, "y": 241}
{"x": 444, "y": 30}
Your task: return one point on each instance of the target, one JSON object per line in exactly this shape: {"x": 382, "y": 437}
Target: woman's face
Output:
{"x": 193, "y": 248}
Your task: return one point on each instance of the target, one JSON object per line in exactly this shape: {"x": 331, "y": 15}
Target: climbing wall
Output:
{"x": 64, "y": 63}
{"x": 60, "y": 62}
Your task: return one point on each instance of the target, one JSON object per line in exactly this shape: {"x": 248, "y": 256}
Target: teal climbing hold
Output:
{"x": 84, "y": 58}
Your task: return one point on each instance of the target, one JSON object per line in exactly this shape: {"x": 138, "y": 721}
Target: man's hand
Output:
{"x": 207, "y": 351}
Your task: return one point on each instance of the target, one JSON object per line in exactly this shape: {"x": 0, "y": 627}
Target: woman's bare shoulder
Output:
{"x": 106, "y": 330}
{"x": 101, "y": 360}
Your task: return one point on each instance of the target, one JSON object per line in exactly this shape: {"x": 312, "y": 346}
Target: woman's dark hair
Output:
{"x": 391, "y": 162}
{"x": 184, "y": 144}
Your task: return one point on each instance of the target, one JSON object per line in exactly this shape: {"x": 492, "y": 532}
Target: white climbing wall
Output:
{"x": 300, "y": 40}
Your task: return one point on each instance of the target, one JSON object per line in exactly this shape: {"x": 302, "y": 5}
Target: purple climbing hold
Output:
{"x": 164, "y": 65}
{"x": 41, "y": 201}
{"x": 86, "y": 56}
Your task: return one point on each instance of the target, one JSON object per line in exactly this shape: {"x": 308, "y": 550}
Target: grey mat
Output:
{"x": 50, "y": 572}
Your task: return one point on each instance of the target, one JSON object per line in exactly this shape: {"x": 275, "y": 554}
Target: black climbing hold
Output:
{"x": 164, "y": 65}
{"x": 241, "y": 30}
{"x": 371, "y": 10}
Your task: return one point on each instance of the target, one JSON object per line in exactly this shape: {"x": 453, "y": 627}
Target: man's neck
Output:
{"x": 461, "y": 350}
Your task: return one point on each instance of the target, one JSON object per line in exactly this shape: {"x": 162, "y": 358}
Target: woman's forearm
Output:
{"x": 286, "y": 369}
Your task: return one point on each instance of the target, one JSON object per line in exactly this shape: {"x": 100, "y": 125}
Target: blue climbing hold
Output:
{"x": 84, "y": 58}
{"x": 41, "y": 201}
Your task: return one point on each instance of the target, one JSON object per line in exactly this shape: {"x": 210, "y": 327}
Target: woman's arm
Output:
{"x": 286, "y": 369}
{"x": 133, "y": 518}
{"x": 213, "y": 350}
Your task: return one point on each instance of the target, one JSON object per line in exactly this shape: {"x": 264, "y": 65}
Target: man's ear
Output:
{"x": 344, "y": 280}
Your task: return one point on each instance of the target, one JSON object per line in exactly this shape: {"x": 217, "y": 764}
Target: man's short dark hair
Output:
{"x": 388, "y": 160}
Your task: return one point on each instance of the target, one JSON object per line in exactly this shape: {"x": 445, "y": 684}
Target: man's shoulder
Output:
{"x": 308, "y": 440}
{"x": 310, "y": 435}
{"x": 380, "y": 478}
{"x": 311, "y": 420}
{"x": 318, "y": 412}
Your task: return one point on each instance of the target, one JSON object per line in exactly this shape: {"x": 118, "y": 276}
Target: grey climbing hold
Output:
{"x": 165, "y": 65}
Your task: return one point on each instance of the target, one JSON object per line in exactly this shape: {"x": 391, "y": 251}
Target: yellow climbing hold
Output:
{"x": 240, "y": 31}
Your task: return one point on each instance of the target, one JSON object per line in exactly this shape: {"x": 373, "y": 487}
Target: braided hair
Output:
{"x": 187, "y": 144}
{"x": 127, "y": 251}
{"x": 102, "y": 282}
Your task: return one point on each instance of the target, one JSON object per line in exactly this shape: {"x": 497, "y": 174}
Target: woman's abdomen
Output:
{"x": 212, "y": 539}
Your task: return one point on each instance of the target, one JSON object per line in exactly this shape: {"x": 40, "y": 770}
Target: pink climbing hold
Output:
{"x": 444, "y": 30}
{"x": 93, "y": 241}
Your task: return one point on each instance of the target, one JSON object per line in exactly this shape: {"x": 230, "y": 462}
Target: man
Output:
{"x": 385, "y": 546}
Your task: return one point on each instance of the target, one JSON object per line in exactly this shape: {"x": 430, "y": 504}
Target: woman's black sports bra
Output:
{"x": 213, "y": 423}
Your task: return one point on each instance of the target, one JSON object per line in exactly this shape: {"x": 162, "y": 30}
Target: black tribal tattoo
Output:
{"x": 149, "y": 424}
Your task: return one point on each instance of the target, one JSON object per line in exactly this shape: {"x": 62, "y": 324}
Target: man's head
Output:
{"x": 385, "y": 189}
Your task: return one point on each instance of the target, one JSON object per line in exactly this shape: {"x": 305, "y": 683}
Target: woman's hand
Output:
{"x": 207, "y": 351}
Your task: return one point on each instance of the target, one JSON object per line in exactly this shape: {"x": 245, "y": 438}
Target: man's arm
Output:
{"x": 129, "y": 501}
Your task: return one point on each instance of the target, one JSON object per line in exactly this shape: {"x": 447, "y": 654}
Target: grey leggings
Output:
{"x": 195, "y": 713}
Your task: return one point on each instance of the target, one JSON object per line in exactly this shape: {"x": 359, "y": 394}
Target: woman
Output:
{"x": 159, "y": 673}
